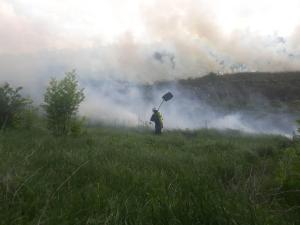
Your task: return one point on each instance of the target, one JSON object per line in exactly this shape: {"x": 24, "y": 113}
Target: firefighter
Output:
{"x": 157, "y": 119}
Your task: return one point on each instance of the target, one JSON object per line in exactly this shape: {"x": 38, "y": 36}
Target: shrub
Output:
{"x": 30, "y": 117}
{"x": 77, "y": 125}
{"x": 62, "y": 100}
{"x": 12, "y": 105}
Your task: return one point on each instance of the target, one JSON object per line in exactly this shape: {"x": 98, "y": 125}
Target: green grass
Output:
{"x": 111, "y": 176}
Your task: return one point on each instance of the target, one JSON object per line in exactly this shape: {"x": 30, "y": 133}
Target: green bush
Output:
{"x": 12, "y": 105}
{"x": 62, "y": 100}
{"x": 77, "y": 127}
{"x": 30, "y": 117}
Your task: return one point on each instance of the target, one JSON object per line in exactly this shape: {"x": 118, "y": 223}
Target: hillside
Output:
{"x": 247, "y": 90}
{"x": 111, "y": 176}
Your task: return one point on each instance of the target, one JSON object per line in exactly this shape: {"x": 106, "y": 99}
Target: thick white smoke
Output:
{"x": 127, "y": 104}
{"x": 171, "y": 39}
{"x": 141, "y": 42}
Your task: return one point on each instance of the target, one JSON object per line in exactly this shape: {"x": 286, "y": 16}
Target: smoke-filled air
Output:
{"x": 127, "y": 54}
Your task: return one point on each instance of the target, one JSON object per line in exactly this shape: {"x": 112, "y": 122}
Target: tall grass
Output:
{"x": 111, "y": 176}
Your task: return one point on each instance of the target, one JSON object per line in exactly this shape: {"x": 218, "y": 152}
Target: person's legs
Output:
{"x": 157, "y": 129}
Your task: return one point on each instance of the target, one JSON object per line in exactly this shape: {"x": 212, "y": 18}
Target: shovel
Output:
{"x": 166, "y": 97}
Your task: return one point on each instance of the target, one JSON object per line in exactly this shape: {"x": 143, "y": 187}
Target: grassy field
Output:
{"x": 119, "y": 176}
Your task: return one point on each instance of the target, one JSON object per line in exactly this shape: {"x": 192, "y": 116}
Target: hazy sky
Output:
{"x": 187, "y": 37}
{"x": 73, "y": 23}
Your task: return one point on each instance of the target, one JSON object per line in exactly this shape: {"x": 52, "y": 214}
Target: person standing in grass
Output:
{"x": 158, "y": 120}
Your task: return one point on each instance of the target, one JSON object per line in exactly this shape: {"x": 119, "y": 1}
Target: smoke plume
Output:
{"x": 141, "y": 42}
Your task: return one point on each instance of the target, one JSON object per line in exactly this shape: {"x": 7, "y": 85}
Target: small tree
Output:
{"x": 62, "y": 100}
{"x": 12, "y": 104}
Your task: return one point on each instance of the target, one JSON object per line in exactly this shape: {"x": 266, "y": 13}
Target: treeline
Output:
{"x": 61, "y": 102}
{"x": 247, "y": 90}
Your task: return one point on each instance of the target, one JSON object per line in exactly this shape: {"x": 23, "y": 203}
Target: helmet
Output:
{"x": 154, "y": 109}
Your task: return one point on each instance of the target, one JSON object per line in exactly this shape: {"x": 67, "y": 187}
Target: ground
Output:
{"x": 130, "y": 176}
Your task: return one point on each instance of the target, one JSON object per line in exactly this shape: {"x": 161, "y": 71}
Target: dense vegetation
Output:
{"x": 13, "y": 107}
{"x": 61, "y": 102}
{"x": 119, "y": 176}
{"x": 282, "y": 86}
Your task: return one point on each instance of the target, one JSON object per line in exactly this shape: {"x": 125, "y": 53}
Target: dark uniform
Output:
{"x": 157, "y": 119}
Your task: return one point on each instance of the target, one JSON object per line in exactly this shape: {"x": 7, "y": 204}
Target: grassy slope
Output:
{"x": 248, "y": 90}
{"x": 129, "y": 177}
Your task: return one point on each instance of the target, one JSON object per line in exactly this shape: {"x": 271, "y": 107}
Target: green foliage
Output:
{"x": 128, "y": 177}
{"x": 12, "y": 105}
{"x": 29, "y": 118}
{"x": 298, "y": 121}
{"x": 62, "y": 100}
{"x": 77, "y": 126}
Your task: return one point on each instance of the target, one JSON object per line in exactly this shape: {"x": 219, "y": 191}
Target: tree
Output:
{"x": 12, "y": 104}
{"x": 62, "y": 100}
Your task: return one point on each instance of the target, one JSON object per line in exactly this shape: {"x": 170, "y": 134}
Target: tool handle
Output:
{"x": 160, "y": 104}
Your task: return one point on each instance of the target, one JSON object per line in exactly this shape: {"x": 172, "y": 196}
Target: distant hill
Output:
{"x": 246, "y": 90}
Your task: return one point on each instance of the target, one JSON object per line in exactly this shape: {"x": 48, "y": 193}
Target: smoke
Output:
{"x": 172, "y": 38}
{"x": 201, "y": 46}
{"x": 128, "y": 104}
{"x": 122, "y": 47}
{"x": 18, "y": 34}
